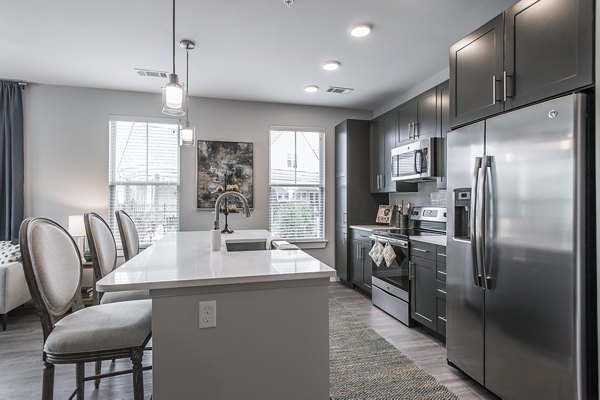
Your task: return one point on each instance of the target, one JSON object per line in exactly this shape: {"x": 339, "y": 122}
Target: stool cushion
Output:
{"x": 102, "y": 327}
{"x": 126, "y": 295}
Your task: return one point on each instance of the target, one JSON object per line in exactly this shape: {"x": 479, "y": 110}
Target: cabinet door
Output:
{"x": 356, "y": 264}
{"x": 341, "y": 149}
{"x": 341, "y": 253}
{"x": 426, "y": 125}
{"x": 367, "y": 266}
{"x": 548, "y": 49}
{"x": 391, "y": 128}
{"x": 423, "y": 305}
{"x": 341, "y": 202}
{"x": 476, "y": 68}
{"x": 407, "y": 121}
{"x": 377, "y": 149}
{"x": 444, "y": 124}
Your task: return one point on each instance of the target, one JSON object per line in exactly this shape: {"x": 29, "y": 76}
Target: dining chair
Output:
{"x": 52, "y": 265}
{"x": 129, "y": 234}
{"x": 104, "y": 257}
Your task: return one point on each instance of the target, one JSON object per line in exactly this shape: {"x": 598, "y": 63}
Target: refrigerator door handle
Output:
{"x": 484, "y": 227}
{"x": 473, "y": 222}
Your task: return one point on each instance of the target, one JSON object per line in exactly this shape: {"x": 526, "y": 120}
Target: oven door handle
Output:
{"x": 393, "y": 242}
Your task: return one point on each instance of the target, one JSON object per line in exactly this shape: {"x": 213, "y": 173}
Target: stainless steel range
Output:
{"x": 391, "y": 284}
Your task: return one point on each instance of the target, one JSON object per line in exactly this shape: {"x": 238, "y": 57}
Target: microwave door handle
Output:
{"x": 473, "y": 222}
{"x": 418, "y": 161}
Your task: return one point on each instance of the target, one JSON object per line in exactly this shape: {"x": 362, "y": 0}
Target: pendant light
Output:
{"x": 172, "y": 92}
{"x": 187, "y": 130}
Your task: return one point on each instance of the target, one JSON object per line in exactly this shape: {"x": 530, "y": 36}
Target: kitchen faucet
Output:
{"x": 220, "y": 200}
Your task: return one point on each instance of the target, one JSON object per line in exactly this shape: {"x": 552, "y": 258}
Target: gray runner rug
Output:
{"x": 363, "y": 365}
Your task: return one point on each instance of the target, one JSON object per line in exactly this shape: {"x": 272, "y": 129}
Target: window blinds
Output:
{"x": 297, "y": 180}
{"x": 144, "y": 177}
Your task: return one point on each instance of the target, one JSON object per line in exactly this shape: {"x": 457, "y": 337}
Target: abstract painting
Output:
{"x": 222, "y": 164}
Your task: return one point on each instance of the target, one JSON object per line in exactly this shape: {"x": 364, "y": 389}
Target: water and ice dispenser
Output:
{"x": 462, "y": 209}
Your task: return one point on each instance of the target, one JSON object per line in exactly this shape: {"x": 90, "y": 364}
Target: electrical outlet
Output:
{"x": 208, "y": 314}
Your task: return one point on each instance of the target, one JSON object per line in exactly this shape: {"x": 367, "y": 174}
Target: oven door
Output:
{"x": 395, "y": 277}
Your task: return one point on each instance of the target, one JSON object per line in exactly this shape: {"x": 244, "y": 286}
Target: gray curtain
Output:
{"x": 11, "y": 160}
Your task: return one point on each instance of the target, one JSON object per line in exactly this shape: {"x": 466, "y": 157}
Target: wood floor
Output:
{"x": 21, "y": 345}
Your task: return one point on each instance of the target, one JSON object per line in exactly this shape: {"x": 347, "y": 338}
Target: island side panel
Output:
{"x": 271, "y": 342}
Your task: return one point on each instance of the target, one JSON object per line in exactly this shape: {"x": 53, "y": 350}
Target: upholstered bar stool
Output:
{"x": 104, "y": 257}
{"x": 129, "y": 234}
{"x": 52, "y": 265}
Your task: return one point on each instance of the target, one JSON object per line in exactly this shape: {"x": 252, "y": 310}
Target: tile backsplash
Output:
{"x": 428, "y": 195}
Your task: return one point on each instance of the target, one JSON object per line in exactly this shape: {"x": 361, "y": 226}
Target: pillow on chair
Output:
{"x": 9, "y": 252}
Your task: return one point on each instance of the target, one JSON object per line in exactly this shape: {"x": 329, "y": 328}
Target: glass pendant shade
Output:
{"x": 173, "y": 97}
{"x": 187, "y": 134}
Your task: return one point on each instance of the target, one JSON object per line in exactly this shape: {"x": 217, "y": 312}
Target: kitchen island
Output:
{"x": 271, "y": 339}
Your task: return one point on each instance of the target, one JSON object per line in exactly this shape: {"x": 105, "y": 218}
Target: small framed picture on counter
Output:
{"x": 384, "y": 214}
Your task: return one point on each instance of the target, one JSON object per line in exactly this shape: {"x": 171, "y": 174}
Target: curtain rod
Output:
{"x": 24, "y": 84}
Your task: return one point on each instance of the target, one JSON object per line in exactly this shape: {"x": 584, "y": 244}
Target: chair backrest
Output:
{"x": 129, "y": 234}
{"x": 102, "y": 244}
{"x": 52, "y": 265}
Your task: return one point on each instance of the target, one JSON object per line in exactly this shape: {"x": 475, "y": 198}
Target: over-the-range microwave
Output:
{"x": 418, "y": 161}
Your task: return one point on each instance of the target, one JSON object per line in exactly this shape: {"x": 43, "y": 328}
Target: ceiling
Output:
{"x": 245, "y": 49}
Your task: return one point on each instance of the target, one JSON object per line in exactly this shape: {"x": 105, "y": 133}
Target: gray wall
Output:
{"x": 66, "y": 150}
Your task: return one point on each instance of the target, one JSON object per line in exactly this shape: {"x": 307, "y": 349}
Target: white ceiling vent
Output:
{"x": 151, "y": 74}
{"x": 341, "y": 90}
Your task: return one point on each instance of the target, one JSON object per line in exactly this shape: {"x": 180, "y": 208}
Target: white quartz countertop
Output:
{"x": 184, "y": 259}
{"x": 440, "y": 240}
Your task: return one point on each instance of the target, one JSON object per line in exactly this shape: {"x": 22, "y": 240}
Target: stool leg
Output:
{"x": 138, "y": 374}
{"x": 79, "y": 372}
{"x": 98, "y": 371}
{"x": 48, "y": 381}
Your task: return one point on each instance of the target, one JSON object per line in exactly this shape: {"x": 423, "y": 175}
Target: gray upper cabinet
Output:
{"x": 476, "y": 68}
{"x": 418, "y": 118}
{"x": 548, "y": 49}
{"x": 383, "y": 139}
{"x": 535, "y": 50}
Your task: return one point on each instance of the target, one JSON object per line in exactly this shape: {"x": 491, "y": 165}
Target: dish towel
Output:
{"x": 376, "y": 253}
{"x": 389, "y": 254}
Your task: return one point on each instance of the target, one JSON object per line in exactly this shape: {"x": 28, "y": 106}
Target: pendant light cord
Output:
{"x": 173, "y": 37}
{"x": 187, "y": 83}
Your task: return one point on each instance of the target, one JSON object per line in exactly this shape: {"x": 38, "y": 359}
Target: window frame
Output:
{"x": 115, "y": 183}
{"x": 305, "y": 243}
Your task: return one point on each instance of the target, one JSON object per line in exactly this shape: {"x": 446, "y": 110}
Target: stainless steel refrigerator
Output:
{"x": 520, "y": 255}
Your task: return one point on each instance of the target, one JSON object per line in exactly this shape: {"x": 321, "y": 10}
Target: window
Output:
{"x": 297, "y": 184}
{"x": 144, "y": 176}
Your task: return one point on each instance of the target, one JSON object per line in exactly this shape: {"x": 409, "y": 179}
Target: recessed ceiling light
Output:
{"x": 331, "y": 65}
{"x": 360, "y": 30}
{"x": 311, "y": 88}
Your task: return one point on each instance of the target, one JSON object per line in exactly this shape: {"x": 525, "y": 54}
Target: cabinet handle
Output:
{"x": 345, "y": 217}
{"x": 416, "y": 133}
{"x": 505, "y": 78}
{"x": 378, "y": 181}
{"x": 344, "y": 242}
{"x": 410, "y": 130}
{"x": 493, "y": 90}
{"x": 411, "y": 270}
{"x": 441, "y": 272}
{"x": 382, "y": 181}
{"x": 441, "y": 291}
{"x": 441, "y": 255}
{"x": 421, "y": 250}
{"x": 442, "y": 318}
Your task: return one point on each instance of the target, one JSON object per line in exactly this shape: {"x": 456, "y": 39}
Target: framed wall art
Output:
{"x": 223, "y": 164}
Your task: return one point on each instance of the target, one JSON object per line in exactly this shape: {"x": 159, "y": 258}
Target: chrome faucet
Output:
{"x": 220, "y": 200}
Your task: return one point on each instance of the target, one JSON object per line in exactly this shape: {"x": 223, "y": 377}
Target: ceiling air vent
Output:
{"x": 151, "y": 74}
{"x": 341, "y": 90}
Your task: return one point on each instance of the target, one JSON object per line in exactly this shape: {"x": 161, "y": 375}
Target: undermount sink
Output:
{"x": 246, "y": 245}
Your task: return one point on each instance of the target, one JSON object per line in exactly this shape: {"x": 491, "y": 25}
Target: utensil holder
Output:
{"x": 403, "y": 221}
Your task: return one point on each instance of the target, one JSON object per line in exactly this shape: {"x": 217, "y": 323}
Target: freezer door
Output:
{"x": 464, "y": 301}
{"x": 530, "y": 321}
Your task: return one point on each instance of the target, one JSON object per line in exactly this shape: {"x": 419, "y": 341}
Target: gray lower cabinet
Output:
{"x": 361, "y": 265}
{"x": 428, "y": 285}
